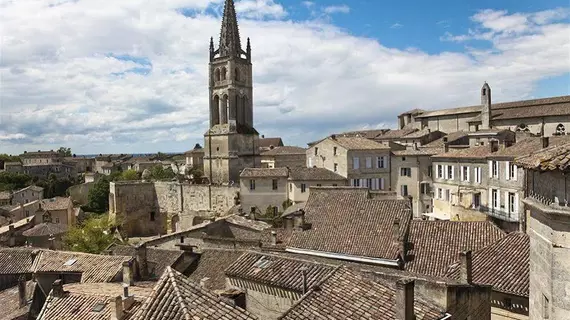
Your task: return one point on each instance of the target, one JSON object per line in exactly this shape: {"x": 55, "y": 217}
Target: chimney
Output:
{"x": 273, "y": 238}
{"x": 11, "y": 236}
{"x": 117, "y": 308}
{"x": 466, "y": 268}
{"x": 252, "y": 213}
{"x": 128, "y": 278}
{"x": 299, "y": 219}
{"x": 22, "y": 291}
{"x": 262, "y": 136}
{"x": 333, "y": 136}
{"x": 486, "y": 106}
{"x": 405, "y": 299}
{"x": 396, "y": 229}
{"x": 304, "y": 275}
{"x": 545, "y": 142}
{"x": 415, "y": 146}
{"x": 204, "y": 282}
{"x": 57, "y": 288}
{"x": 445, "y": 144}
{"x": 493, "y": 146}
{"x": 128, "y": 300}
{"x": 140, "y": 256}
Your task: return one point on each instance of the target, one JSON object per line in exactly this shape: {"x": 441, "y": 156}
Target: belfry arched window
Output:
{"x": 522, "y": 128}
{"x": 236, "y": 74}
{"x": 224, "y": 72}
{"x": 217, "y": 74}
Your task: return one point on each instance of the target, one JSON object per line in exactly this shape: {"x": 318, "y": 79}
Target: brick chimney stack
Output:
{"x": 405, "y": 299}
{"x": 57, "y": 288}
{"x": 117, "y": 308}
{"x": 23, "y": 301}
{"x": 396, "y": 229}
{"x": 128, "y": 278}
{"x": 142, "y": 262}
{"x": 466, "y": 268}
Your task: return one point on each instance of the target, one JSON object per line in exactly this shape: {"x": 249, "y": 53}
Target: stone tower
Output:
{"x": 231, "y": 141}
{"x": 486, "y": 106}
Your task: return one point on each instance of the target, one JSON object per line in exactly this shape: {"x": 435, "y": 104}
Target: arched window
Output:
{"x": 216, "y": 111}
{"x": 217, "y": 75}
{"x": 236, "y": 74}
{"x": 560, "y": 130}
{"x": 522, "y": 128}
{"x": 224, "y": 72}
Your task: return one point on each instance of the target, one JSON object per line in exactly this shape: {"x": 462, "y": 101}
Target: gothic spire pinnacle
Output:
{"x": 230, "y": 44}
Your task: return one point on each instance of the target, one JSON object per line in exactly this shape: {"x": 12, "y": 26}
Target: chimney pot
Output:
{"x": 396, "y": 229}
{"x": 117, "y": 308}
{"x": 57, "y": 288}
{"x": 128, "y": 273}
{"x": 333, "y": 136}
{"x": 273, "y": 238}
{"x": 22, "y": 291}
{"x": 304, "y": 275}
{"x": 405, "y": 299}
{"x": 204, "y": 282}
{"x": 545, "y": 142}
{"x": 466, "y": 269}
{"x": 141, "y": 258}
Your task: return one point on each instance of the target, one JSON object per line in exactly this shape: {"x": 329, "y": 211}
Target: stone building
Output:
{"x": 28, "y": 194}
{"x": 13, "y": 167}
{"x": 548, "y": 116}
{"x": 266, "y": 144}
{"x": 285, "y": 156}
{"x": 195, "y": 157}
{"x": 82, "y": 164}
{"x": 61, "y": 210}
{"x": 231, "y": 142}
{"x": 5, "y": 198}
{"x": 548, "y": 213}
{"x": 365, "y": 163}
{"x": 41, "y": 164}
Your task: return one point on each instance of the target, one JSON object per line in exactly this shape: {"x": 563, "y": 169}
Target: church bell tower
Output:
{"x": 231, "y": 141}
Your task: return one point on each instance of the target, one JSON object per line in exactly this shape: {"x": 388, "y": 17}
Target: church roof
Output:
{"x": 230, "y": 44}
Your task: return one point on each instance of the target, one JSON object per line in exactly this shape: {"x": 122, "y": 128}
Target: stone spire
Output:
{"x": 230, "y": 44}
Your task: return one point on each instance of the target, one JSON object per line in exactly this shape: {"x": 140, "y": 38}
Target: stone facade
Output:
{"x": 148, "y": 208}
{"x": 27, "y": 195}
{"x": 411, "y": 176}
{"x": 261, "y": 193}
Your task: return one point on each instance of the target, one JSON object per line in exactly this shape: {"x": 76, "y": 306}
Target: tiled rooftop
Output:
{"x": 176, "y": 297}
{"x": 93, "y": 267}
{"x": 528, "y": 146}
{"x": 305, "y": 174}
{"x": 437, "y": 244}
{"x": 347, "y": 221}
{"x": 10, "y": 302}
{"x": 503, "y": 264}
{"x": 15, "y": 260}
{"x": 551, "y": 158}
{"x": 278, "y": 271}
{"x": 478, "y": 152}
{"x": 268, "y": 142}
{"x": 357, "y": 143}
{"x": 157, "y": 259}
{"x": 211, "y": 265}
{"x": 264, "y": 173}
{"x": 284, "y": 151}
{"x": 57, "y": 203}
{"x": 45, "y": 229}
{"x": 348, "y": 295}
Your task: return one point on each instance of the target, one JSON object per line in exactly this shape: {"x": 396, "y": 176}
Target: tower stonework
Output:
{"x": 486, "y": 106}
{"x": 231, "y": 142}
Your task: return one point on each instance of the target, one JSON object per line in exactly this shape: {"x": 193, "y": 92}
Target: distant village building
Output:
{"x": 285, "y": 156}
{"x": 266, "y": 144}
{"x": 41, "y": 164}
{"x": 195, "y": 157}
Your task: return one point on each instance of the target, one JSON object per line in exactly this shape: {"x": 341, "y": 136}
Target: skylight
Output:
{"x": 99, "y": 307}
{"x": 70, "y": 262}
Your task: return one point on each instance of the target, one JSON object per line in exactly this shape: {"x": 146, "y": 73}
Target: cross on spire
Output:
{"x": 230, "y": 44}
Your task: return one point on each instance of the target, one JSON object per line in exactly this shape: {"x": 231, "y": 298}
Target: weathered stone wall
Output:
{"x": 79, "y": 193}
{"x": 263, "y": 195}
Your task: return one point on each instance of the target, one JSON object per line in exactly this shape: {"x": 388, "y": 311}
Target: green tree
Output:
{"x": 160, "y": 174}
{"x": 98, "y": 197}
{"x": 93, "y": 236}
{"x": 196, "y": 173}
{"x": 129, "y": 175}
{"x": 54, "y": 187}
{"x": 286, "y": 204}
{"x": 66, "y": 152}
{"x": 12, "y": 181}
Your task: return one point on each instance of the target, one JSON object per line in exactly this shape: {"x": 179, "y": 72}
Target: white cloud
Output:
{"x": 259, "y": 9}
{"x": 396, "y": 26}
{"x": 337, "y": 9}
{"x": 131, "y": 76}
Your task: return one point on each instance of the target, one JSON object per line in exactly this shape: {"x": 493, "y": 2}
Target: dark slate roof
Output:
{"x": 15, "y": 260}
{"x": 348, "y": 295}
{"x": 278, "y": 271}
{"x": 551, "y": 158}
{"x": 211, "y": 265}
{"x": 346, "y": 221}
{"x": 93, "y": 267}
{"x": 45, "y": 229}
{"x": 175, "y": 297}
{"x": 264, "y": 172}
{"x": 79, "y": 300}
{"x": 504, "y": 264}
{"x": 437, "y": 244}
{"x": 299, "y": 173}
{"x": 157, "y": 259}
{"x": 284, "y": 150}
{"x": 268, "y": 142}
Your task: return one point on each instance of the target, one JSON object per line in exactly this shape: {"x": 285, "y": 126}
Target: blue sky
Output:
{"x": 131, "y": 76}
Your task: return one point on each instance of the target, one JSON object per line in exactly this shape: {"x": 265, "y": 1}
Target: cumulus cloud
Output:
{"x": 131, "y": 76}
{"x": 396, "y": 26}
{"x": 337, "y": 9}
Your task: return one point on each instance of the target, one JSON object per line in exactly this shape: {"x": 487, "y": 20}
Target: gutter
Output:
{"x": 346, "y": 257}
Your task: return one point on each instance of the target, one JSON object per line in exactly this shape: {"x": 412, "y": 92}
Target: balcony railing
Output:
{"x": 500, "y": 214}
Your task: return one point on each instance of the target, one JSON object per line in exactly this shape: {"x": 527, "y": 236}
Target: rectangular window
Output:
{"x": 464, "y": 173}
{"x": 274, "y": 182}
{"x": 450, "y": 172}
{"x": 440, "y": 193}
{"x": 512, "y": 202}
{"x": 447, "y": 195}
{"x": 355, "y": 182}
{"x": 316, "y": 151}
{"x": 380, "y": 163}
{"x": 336, "y": 167}
{"x": 303, "y": 188}
{"x": 440, "y": 171}
{"x": 334, "y": 151}
{"x": 355, "y": 163}
{"x": 425, "y": 188}
{"x": 476, "y": 200}
{"x": 429, "y": 171}
{"x": 251, "y": 184}
{"x": 405, "y": 172}
{"x": 513, "y": 171}
{"x": 369, "y": 183}
{"x": 478, "y": 174}
{"x": 368, "y": 162}
{"x": 495, "y": 168}
{"x": 404, "y": 190}
{"x": 495, "y": 197}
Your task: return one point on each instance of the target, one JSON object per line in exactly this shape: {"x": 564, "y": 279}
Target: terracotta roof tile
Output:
{"x": 176, "y": 297}
{"x": 347, "y": 221}
{"x": 348, "y": 295}
{"x": 57, "y": 203}
{"x": 93, "y": 267}
{"x": 503, "y": 264}
{"x": 358, "y": 143}
{"x": 437, "y": 244}
{"x": 15, "y": 260}
{"x": 10, "y": 302}
{"x": 395, "y": 134}
{"x": 299, "y": 173}
{"x": 528, "y": 146}
{"x": 551, "y": 158}
{"x": 45, "y": 229}
{"x": 284, "y": 150}
{"x": 264, "y": 172}
{"x": 157, "y": 259}
{"x": 268, "y": 142}
{"x": 278, "y": 271}
{"x": 478, "y": 152}
{"x": 211, "y": 265}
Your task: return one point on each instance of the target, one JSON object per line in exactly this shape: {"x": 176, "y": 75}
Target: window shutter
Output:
{"x": 515, "y": 173}
{"x": 382, "y": 183}
{"x": 467, "y": 172}
{"x": 507, "y": 201}
{"x": 362, "y": 183}
{"x": 490, "y": 168}
{"x": 445, "y": 172}
{"x": 452, "y": 172}
{"x": 461, "y": 173}
{"x": 507, "y": 170}
{"x": 498, "y": 199}
{"x": 517, "y": 202}
{"x": 377, "y": 162}
{"x": 310, "y": 162}
{"x": 490, "y": 201}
